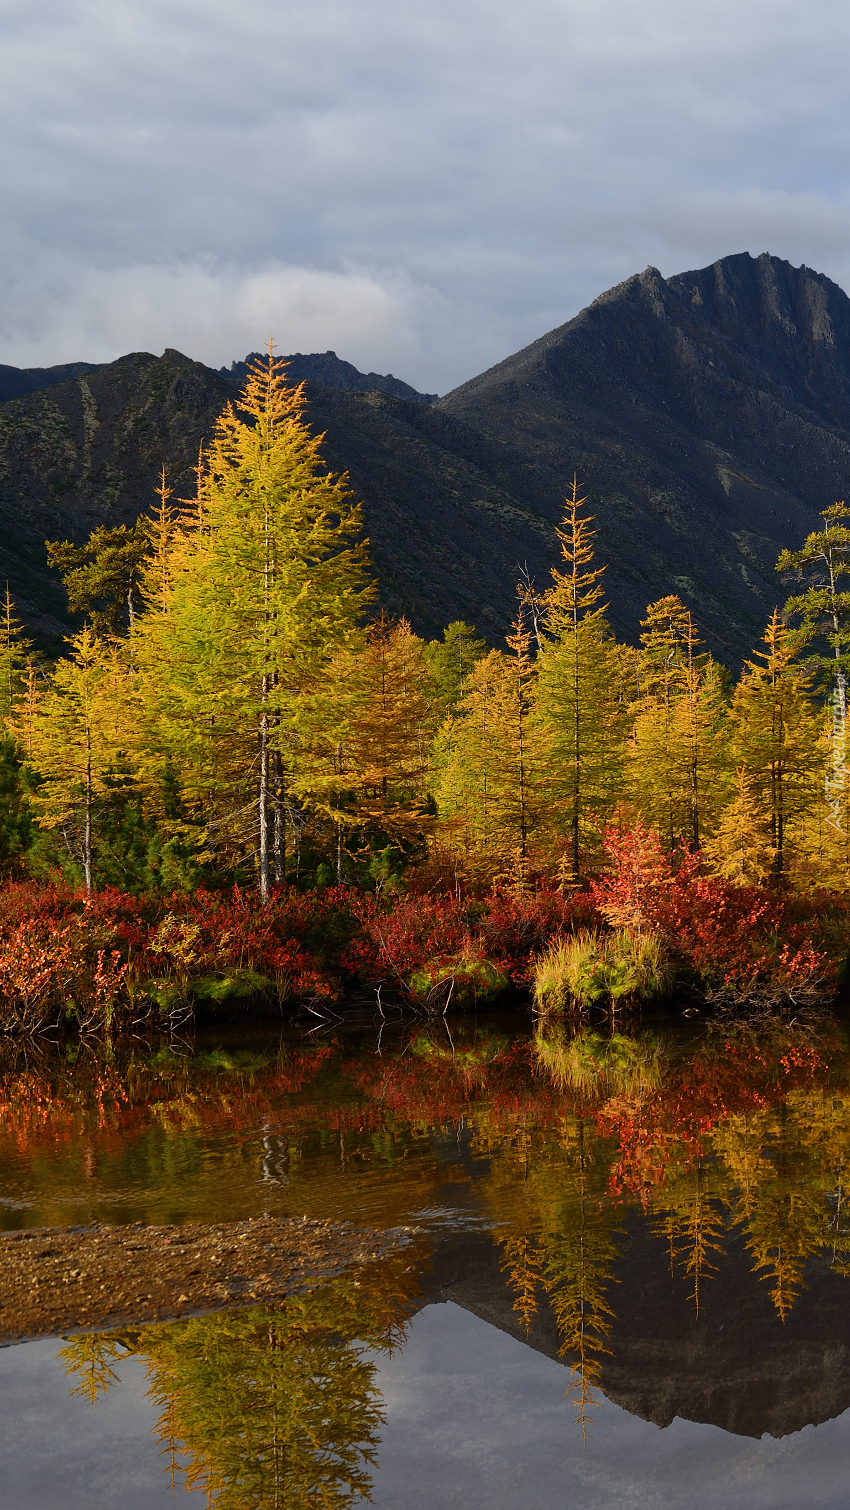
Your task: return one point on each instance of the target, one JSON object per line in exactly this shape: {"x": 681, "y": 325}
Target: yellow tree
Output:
{"x": 486, "y": 759}
{"x": 366, "y": 745}
{"x": 675, "y": 755}
{"x": 15, "y": 654}
{"x": 267, "y": 581}
{"x": 274, "y": 1406}
{"x": 740, "y": 850}
{"x": 578, "y": 703}
{"x": 774, "y": 728}
{"x": 72, "y": 737}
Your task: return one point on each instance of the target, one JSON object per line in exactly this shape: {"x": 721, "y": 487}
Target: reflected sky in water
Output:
{"x": 474, "y": 1418}
{"x": 620, "y": 1230}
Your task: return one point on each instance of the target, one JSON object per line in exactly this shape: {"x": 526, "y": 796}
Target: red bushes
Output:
{"x": 99, "y": 956}
{"x": 724, "y": 935}
{"x": 395, "y": 939}
{"x": 517, "y": 925}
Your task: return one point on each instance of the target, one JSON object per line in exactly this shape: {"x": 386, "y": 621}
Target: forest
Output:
{"x": 243, "y": 780}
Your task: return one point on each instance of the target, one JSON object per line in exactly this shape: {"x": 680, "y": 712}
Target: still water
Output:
{"x": 629, "y": 1284}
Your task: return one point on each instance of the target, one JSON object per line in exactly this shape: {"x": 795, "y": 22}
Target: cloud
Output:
{"x": 204, "y": 311}
{"x": 423, "y": 188}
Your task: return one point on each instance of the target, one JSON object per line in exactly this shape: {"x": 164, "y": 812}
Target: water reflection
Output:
{"x": 665, "y": 1211}
{"x": 273, "y": 1406}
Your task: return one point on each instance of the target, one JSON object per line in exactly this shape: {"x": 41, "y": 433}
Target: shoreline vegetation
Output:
{"x": 242, "y": 785}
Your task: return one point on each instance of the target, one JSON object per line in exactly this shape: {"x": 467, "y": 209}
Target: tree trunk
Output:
{"x": 87, "y": 865}
{"x": 279, "y": 821}
{"x": 263, "y": 799}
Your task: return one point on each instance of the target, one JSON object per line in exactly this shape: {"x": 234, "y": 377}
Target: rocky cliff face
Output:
{"x": 706, "y": 415}
{"x": 89, "y": 451}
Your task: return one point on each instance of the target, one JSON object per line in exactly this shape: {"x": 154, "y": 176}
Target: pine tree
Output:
{"x": 450, "y": 662}
{"x": 824, "y": 611}
{"x": 102, "y": 577}
{"x": 823, "y": 608}
{"x": 578, "y": 703}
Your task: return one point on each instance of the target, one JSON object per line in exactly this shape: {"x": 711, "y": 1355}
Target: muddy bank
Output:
{"x": 57, "y": 1280}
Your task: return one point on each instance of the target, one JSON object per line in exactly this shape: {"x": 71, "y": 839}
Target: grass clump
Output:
{"x": 603, "y": 970}
{"x": 458, "y": 982}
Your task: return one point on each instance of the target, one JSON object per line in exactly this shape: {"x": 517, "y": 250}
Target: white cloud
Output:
{"x": 212, "y": 314}
{"x": 422, "y": 188}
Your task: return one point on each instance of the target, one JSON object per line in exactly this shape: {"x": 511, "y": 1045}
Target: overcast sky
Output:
{"x": 423, "y": 186}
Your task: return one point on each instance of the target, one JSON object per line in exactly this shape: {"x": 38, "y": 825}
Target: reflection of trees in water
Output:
{"x": 707, "y": 1139}
{"x": 691, "y": 1222}
{"x": 557, "y": 1236}
{"x": 276, "y": 1406}
{"x": 714, "y": 1138}
{"x": 786, "y": 1171}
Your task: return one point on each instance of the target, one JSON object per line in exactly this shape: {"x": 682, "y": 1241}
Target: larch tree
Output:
{"x": 15, "y": 655}
{"x": 72, "y": 736}
{"x": 367, "y": 745}
{"x": 578, "y": 704}
{"x": 268, "y": 579}
{"x": 675, "y": 753}
{"x": 774, "y": 736}
{"x": 740, "y": 850}
{"x": 486, "y": 759}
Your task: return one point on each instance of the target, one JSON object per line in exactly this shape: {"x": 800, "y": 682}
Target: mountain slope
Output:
{"x": 15, "y": 382}
{"x": 326, "y": 367}
{"x": 707, "y": 416}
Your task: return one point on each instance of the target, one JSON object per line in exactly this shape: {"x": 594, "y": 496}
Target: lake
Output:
{"x": 628, "y": 1282}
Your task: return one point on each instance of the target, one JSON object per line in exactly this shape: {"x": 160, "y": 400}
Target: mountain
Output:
{"x": 326, "y": 367}
{"x": 17, "y": 381}
{"x": 707, "y": 416}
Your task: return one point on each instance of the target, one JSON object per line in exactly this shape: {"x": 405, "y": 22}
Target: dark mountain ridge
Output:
{"x": 326, "y": 367}
{"x": 15, "y": 382}
{"x": 707, "y": 416}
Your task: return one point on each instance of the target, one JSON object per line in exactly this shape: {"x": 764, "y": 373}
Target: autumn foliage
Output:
{"x": 110, "y": 958}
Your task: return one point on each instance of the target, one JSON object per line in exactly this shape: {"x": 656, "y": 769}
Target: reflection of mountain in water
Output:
{"x": 664, "y": 1212}
{"x": 737, "y": 1365}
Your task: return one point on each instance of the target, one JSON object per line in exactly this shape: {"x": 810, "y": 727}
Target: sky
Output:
{"x": 421, "y": 187}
